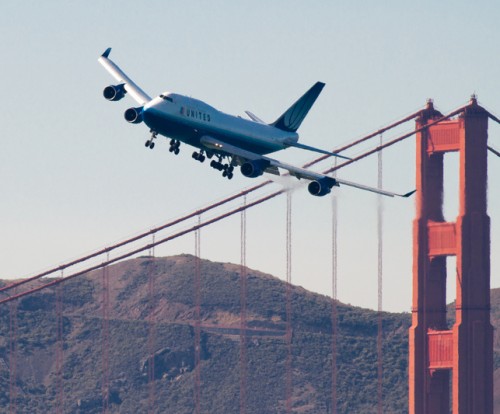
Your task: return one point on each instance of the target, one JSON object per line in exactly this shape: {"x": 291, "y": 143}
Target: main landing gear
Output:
{"x": 198, "y": 156}
{"x": 227, "y": 169}
{"x": 150, "y": 143}
{"x": 174, "y": 146}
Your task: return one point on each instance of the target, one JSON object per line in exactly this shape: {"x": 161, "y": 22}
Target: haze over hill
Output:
{"x": 172, "y": 304}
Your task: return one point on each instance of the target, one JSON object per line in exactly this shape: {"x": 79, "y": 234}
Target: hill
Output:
{"x": 172, "y": 304}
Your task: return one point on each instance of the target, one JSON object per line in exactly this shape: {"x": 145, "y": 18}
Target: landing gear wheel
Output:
{"x": 150, "y": 142}
{"x": 176, "y": 150}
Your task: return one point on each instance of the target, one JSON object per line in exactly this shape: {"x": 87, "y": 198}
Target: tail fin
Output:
{"x": 290, "y": 121}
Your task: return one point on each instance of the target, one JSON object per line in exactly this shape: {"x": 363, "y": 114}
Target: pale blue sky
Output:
{"x": 76, "y": 177}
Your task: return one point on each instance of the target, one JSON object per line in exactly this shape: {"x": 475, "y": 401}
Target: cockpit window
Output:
{"x": 166, "y": 98}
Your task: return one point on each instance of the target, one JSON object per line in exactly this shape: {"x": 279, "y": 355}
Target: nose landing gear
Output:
{"x": 150, "y": 143}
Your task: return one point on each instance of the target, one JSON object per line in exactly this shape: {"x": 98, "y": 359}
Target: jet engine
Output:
{"x": 134, "y": 115}
{"x": 254, "y": 168}
{"x": 114, "y": 92}
{"x": 321, "y": 187}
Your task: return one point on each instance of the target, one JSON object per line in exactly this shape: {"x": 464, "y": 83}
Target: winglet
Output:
{"x": 107, "y": 52}
{"x": 409, "y": 194}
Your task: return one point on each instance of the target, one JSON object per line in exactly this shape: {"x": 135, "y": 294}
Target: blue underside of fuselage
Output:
{"x": 184, "y": 132}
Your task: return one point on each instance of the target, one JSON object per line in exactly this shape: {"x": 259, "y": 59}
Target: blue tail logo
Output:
{"x": 290, "y": 121}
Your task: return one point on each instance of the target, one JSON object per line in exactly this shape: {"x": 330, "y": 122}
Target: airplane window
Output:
{"x": 168, "y": 98}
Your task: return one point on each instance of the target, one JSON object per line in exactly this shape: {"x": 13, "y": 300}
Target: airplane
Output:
{"x": 229, "y": 141}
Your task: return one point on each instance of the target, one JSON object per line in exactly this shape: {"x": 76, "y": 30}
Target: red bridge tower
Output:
{"x": 465, "y": 351}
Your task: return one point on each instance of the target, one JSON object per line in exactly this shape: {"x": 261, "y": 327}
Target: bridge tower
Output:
{"x": 466, "y": 351}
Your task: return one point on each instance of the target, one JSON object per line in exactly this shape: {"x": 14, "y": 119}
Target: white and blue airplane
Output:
{"x": 228, "y": 140}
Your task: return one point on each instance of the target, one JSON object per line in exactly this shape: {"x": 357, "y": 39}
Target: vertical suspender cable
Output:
{"x": 105, "y": 337}
{"x": 151, "y": 330}
{"x": 334, "y": 301}
{"x": 243, "y": 313}
{"x": 60, "y": 347}
{"x": 13, "y": 356}
{"x": 197, "y": 326}
{"x": 380, "y": 402}
{"x": 289, "y": 301}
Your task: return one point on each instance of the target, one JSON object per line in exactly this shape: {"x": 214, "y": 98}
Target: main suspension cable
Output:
{"x": 197, "y": 213}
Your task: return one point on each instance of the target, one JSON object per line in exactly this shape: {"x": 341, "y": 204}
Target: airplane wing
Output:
{"x": 135, "y": 92}
{"x": 270, "y": 165}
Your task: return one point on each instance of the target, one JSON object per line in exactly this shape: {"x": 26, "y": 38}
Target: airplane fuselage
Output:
{"x": 189, "y": 120}
{"x": 234, "y": 141}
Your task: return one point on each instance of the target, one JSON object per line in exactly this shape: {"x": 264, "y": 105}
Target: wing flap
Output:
{"x": 298, "y": 172}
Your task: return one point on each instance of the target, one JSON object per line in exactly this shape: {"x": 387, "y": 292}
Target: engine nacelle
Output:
{"x": 134, "y": 115}
{"x": 114, "y": 92}
{"x": 255, "y": 168}
{"x": 322, "y": 186}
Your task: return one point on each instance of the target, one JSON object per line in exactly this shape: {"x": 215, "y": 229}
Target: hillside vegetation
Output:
{"x": 171, "y": 303}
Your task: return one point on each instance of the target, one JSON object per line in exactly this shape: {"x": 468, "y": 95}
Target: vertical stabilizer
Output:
{"x": 290, "y": 121}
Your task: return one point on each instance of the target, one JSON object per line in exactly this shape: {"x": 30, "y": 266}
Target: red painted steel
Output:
{"x": 243, "y": 311}
{"x": 466, "y": 350}
{"x": 434, "y": 240}
{"x": 440, "y": 349}
{"x": 443, "y": 137}
{"x": 60, "y": 349}
{"x": 197, "y": 322}
{"x": 380, "y": 243}
{"x": 150, "y": 270}
{"x": 442, "y": 238}
{"x": 335, "y": 321}
{"x": 13, "y": 357}
{"x": 288, "y": 299}
{"x": 105, "y": 339}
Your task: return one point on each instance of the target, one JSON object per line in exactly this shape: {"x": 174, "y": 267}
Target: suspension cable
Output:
{"x": 136, "y": 238}
{"x": 198, "y": 212}
{"x": 202, "y": 210}
{"x": 399, "y": 139}
{"x": 146, "y": 247}
{"x": 494, "y": 151}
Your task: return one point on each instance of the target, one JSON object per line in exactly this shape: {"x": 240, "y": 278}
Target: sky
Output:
{"x": 75, "y": 177}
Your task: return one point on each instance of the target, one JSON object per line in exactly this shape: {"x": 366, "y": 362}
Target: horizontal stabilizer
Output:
{"x": 254, "y": 117}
